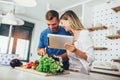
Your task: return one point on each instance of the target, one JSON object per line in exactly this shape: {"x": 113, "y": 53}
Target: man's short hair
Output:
{"x": 51, "y": 14}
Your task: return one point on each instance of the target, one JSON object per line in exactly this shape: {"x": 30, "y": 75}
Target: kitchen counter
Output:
{"x": 8, "y": 73}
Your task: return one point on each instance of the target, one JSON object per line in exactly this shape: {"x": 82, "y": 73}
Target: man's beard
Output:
{"x": 55, "y": 29}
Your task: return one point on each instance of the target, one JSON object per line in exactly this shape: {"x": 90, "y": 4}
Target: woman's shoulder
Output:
{"x": 84, "y": 35}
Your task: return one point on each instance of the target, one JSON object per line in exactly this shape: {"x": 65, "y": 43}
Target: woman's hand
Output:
{"x": 78, "y": 53}
{"x": 70, "y": 47}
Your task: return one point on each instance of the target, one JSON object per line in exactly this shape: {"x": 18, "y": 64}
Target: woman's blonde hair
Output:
{"x": 74, "y": 20}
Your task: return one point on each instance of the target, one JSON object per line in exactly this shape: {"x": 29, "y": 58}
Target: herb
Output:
{"x": 49, "y": 65}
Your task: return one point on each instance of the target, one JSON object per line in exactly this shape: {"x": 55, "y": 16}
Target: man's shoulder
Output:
{"x": 45, "y": 31}
{"x": 62, "y": 28}
{"x": 63, "y": 31}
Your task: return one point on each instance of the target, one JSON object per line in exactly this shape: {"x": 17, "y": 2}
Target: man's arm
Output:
{"x": 64, "y": 56}
{"x": 41, "y": 51}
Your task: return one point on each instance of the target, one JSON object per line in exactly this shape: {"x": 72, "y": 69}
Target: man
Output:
{"x": 52, "y": 18}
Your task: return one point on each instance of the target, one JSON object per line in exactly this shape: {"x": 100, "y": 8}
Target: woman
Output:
{"x": 80, "y": 53}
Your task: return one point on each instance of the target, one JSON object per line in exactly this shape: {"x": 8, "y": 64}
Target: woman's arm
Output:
{"x": 64, "y": 56}
{"x": 78, "y": 52}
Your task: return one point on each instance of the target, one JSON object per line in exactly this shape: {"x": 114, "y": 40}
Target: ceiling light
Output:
{"x": 10, "y": 18}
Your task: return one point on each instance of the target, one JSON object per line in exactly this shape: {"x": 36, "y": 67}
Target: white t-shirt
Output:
{"x": 85, "y": 44}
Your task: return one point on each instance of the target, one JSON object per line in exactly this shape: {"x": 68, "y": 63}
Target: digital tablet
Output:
{"x": 58, "y": 41}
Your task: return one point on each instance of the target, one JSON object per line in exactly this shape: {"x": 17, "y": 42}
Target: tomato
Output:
{"x": 30, "y": 64}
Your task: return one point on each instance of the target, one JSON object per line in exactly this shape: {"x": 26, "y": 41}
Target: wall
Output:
{"x": 35, "y": 39}
{"x": 39, "y": 26}
{"x": 104, "y": 15}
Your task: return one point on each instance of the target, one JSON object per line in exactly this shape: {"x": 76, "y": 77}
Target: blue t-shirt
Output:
{"x": 43, "y": 42}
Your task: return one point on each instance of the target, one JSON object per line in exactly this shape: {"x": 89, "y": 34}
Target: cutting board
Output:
{"x": 40, "y": 73}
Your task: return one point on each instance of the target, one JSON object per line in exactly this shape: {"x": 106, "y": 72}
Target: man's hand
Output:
{"x": 41, "y": 51}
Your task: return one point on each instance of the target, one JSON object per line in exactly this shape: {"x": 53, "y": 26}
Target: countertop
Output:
{"x": 8, "y": 73}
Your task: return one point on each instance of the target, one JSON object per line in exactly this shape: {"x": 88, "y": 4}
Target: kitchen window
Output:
{"x": 19, "y": 42}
